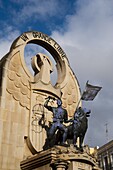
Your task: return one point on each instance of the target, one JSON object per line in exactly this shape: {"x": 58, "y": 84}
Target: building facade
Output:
{"x": 105, "y": 156}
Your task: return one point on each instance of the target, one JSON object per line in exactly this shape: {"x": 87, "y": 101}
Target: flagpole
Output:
{"x": 78, "y": 103}
{"x": 81, "y": 97}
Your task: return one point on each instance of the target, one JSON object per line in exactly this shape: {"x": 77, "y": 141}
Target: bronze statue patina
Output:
{"x": 48, "y": 143}
{"x": 79, "y": 126}
{"x": 60, "y": 116}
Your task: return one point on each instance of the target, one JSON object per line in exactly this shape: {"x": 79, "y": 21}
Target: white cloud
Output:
{"x": 40, "y": 9}
{"x": 88, "y": 42}
{"x": 8, "y": 35}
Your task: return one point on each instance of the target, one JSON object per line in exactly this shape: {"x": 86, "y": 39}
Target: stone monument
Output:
{"x": 24, "y": 119}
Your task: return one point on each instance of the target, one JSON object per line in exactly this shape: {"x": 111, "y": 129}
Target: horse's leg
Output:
{"x": 51, "y": 135}
{"x": 81, "y": 138}
{"x": 59, "y": 136}
{"x": 75, "y": 139}
{"x": 80, "y": 141}
{"x": 65, "y": 135}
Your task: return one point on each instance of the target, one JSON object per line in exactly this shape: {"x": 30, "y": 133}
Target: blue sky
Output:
{"x": 84, "y": 29}
{"x": 35, "y": 14}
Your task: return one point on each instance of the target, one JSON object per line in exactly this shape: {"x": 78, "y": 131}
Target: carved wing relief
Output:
{"x": 27, "y": 91}
{"x": 18, "y": 84}
{"x": 70, "y": 91}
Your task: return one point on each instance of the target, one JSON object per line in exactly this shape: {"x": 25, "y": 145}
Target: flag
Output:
{"x": 90, "y": 92}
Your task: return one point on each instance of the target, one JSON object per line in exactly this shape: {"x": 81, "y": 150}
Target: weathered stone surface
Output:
{"x": 22, "y": 98}
{"x": 61, "y": 158}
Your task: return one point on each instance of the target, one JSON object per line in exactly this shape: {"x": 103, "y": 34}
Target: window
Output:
{"x": 105, "y": 163}
{"x": 111, "y": 158}
{"x": 100, "y": 163}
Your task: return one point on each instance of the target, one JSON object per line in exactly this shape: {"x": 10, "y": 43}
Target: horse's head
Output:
{"x": 82, "y": 113}
{"x": 87, "y": 112}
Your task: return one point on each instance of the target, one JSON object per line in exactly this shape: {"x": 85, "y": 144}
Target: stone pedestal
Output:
{"x": 60, "y": 158}
{"x": 60, "y": 165}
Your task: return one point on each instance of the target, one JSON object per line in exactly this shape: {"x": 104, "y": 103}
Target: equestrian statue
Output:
{"x": 77, "y": 128}
{"x": 60, "y": 134}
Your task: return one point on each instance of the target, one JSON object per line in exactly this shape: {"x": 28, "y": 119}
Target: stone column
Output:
{"x": 61, "y": 165}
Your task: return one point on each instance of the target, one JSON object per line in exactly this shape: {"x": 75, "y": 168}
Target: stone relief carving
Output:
{"x": 27, "y": 91}
{"x": 18, "y": 82}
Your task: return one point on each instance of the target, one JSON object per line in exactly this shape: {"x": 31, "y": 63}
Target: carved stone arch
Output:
{"x": 23, "y": 92}
{"x": 20, "y": 93}
{"x": 49, "y": 44}
{"x": 66, "y": 77}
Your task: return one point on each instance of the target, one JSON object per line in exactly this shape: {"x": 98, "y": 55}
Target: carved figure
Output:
{"x": 59, "y": 116}
{"x": 48, "y": 143}
{"x": 21, "y": 90}
{"x": 78, "y": 127}
{"x": 41, "y": 64}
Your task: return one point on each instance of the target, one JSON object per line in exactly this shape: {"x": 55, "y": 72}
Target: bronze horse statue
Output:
{"x": 77, "y": 129}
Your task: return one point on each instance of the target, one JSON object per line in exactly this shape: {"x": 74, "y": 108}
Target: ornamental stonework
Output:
{"x": 24, "y": 119}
